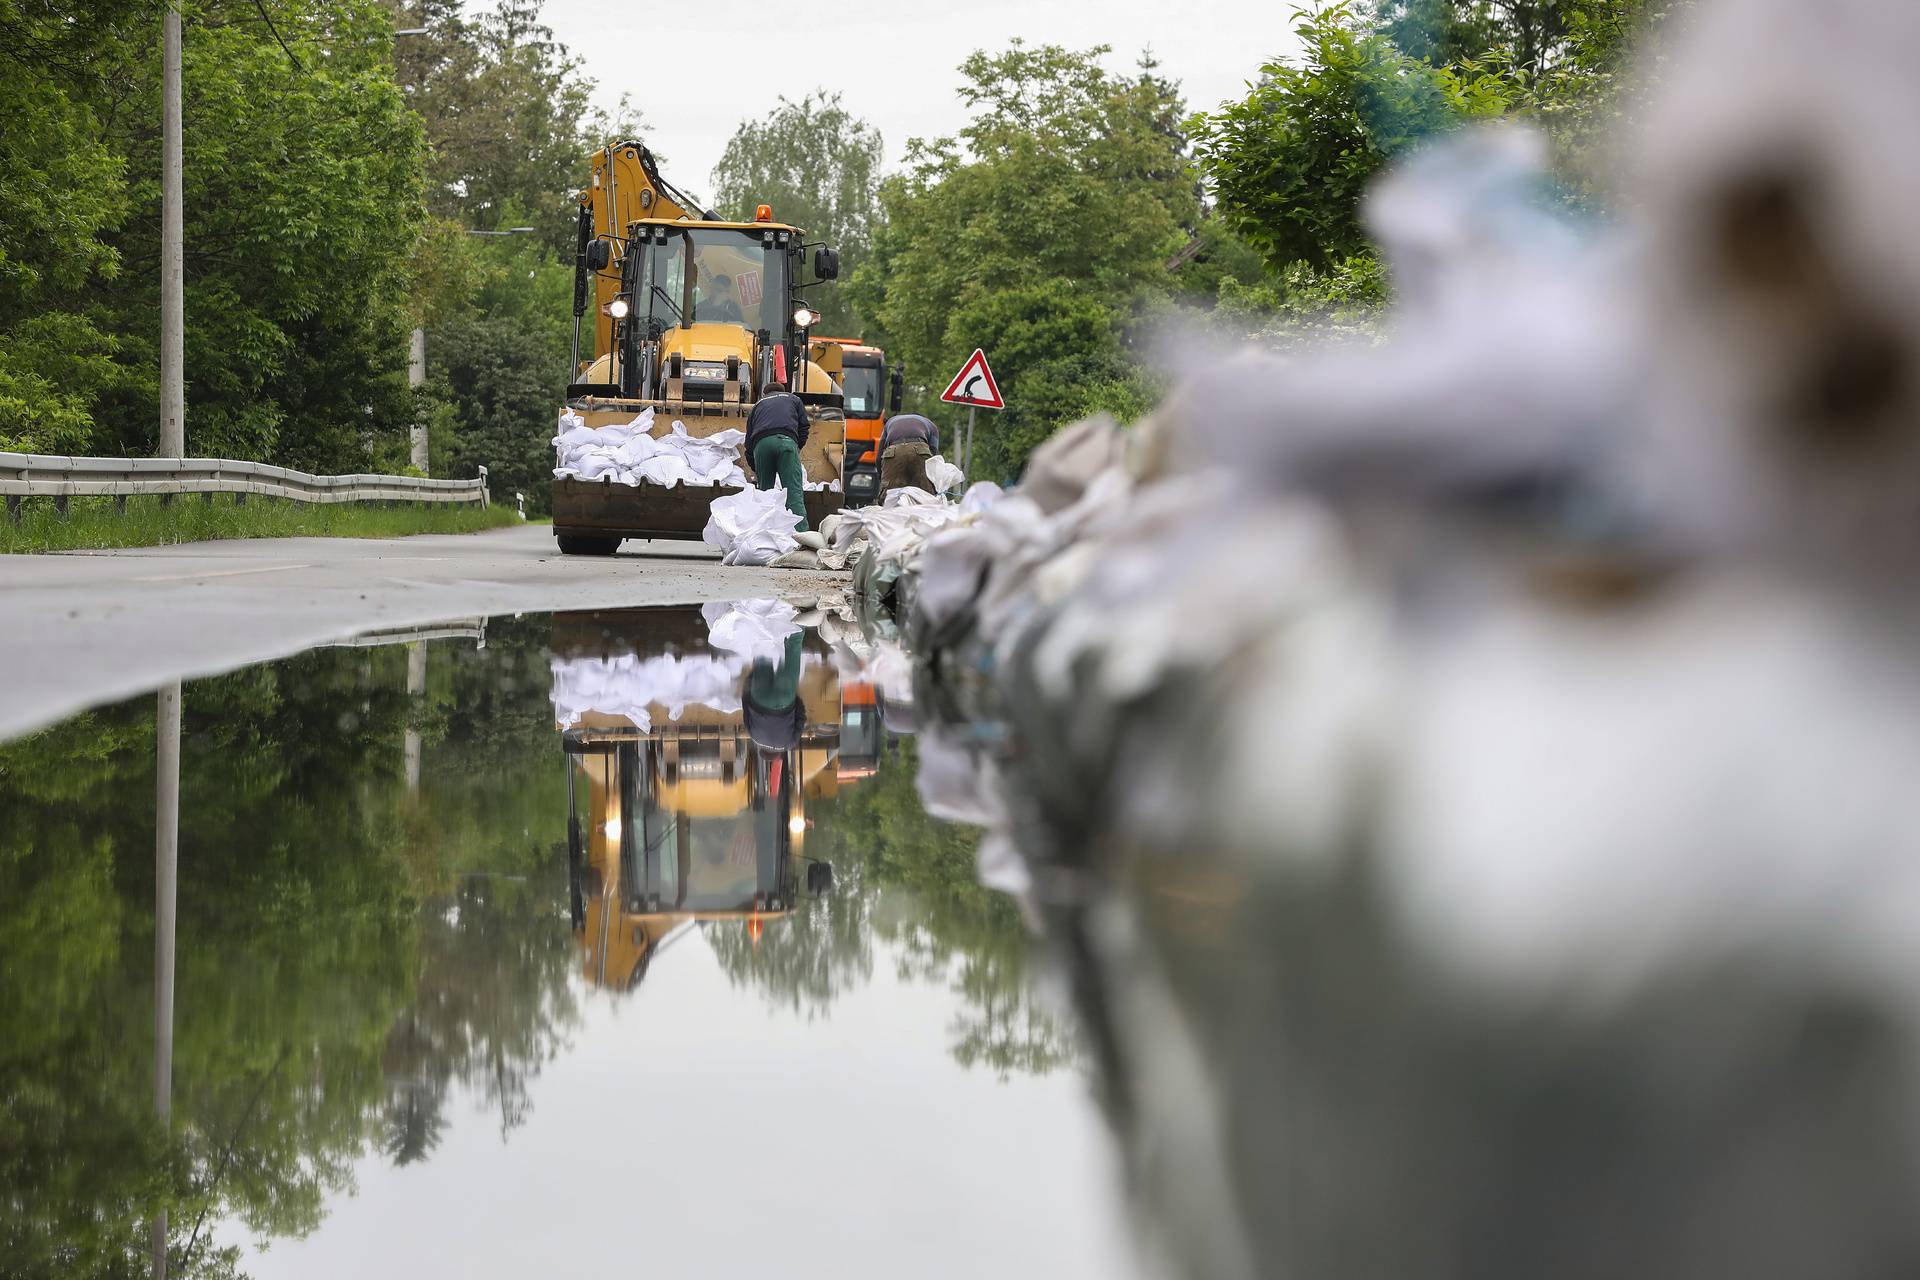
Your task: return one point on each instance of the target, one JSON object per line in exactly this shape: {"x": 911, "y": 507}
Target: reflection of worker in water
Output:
{"x": 717, "y": 304}
{"x": 773, "y": 710}
{"x": 776, "y": 431}
{"x": 908, "y": 442}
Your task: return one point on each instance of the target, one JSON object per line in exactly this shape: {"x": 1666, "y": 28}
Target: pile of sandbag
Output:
{"x": 1439, "y": 681}
{"x": 750, "y": 629}
{"x": 628, "y": 686}
{"x": 888, "y": 538}
{"x": 752, "y": 526}
{"x": 630, "y": 453}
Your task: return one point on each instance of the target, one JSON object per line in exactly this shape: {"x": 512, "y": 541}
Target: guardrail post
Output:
{"x": 484, "y": 503}
{"x": 13, "y": 507}
{"x": 60, "y": 505}
{"x": 239, "y": 499}
{"x": 119, "y": 504}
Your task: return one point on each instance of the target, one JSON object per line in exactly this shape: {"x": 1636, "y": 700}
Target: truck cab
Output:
{"x": 866, "y": 388}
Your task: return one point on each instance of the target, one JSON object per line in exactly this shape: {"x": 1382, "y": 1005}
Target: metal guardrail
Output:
{"x": 45, "y": 475}
{"x": 454, "y": 629}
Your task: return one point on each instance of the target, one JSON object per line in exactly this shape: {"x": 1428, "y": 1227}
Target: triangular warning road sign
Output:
{"x": 974, "y": 384}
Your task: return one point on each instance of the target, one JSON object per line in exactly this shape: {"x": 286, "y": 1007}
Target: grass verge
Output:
{"x": 93, "y": 522}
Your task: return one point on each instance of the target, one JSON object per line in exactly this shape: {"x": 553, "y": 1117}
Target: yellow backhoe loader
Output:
{"x": 688, "y": 816}
{"x": 692, "y": 317}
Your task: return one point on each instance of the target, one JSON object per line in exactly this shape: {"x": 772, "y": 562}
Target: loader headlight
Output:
{"x": 804, "y": 318}
{"x": 618, "y": 308}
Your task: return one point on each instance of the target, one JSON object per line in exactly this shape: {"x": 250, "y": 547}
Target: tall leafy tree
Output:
{"x": 818, "y": 166}
{"x": 1054, "y": 211}
{"x": 1290, "y": 161}
{"x": 508, "y": 116}
{"x": 302, "y": 197}
{"x": 1530, "y": 34}
{"x": 65, "y": 72}
{"x": 509, "y": 127}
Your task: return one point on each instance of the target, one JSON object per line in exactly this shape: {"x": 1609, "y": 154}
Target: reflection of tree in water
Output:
{"x": 808, "y": 959}
{"x": 910, "y": 881}
{"x": 490, "y": 1005}
{"x": 330, "y": 942}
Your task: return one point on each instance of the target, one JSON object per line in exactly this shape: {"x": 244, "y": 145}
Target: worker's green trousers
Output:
{"x": 776, "y": 460}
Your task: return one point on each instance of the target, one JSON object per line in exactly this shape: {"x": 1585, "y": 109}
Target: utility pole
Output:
{"x": 173, "y": 298}
{"x": 417, "y": 378}
{"x": 166, "y": 880}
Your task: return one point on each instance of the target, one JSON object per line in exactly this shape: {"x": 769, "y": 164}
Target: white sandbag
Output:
{"x": 629, "y": 688}
{"x": 981, "y": 496}
{"x": 629, "y": 453}
{"x": 943, "y": 475}
{"x": 752, "y": 526}
{"x": 750, "y": 629}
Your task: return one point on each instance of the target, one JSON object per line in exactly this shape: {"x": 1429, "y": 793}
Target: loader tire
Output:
{"x": 577, "y": 544}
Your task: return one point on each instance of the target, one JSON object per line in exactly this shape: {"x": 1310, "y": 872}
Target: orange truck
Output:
{"x": 866, "y": 385}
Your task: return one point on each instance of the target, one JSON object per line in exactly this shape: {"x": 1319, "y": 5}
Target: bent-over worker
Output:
{"x": 776, "y": 430}
{"x": 905, "y": 446}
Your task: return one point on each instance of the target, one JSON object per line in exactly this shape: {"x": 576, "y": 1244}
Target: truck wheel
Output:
{"x": 575, "y": 544}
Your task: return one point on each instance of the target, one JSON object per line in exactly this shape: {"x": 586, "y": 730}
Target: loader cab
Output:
{"x": 705, "y": 311}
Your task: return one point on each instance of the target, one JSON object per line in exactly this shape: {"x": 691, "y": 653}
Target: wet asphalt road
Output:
{"x": 81, "y": 628}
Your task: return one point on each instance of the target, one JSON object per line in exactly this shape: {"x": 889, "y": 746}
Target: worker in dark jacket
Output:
{"x": 776, "y": 430}
{"x": 905, "y": 446}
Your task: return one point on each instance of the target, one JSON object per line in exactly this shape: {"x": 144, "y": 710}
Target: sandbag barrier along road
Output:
{"x": 81, "y": 628}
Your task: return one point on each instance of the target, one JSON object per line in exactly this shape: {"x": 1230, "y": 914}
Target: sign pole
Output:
{"x": 963, "y": 390}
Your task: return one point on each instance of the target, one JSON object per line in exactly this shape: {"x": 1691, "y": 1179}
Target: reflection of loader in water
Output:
{"x": 698, "y": 819}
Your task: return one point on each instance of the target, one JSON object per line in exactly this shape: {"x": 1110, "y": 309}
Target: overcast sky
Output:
{"x": 892, "y": 63}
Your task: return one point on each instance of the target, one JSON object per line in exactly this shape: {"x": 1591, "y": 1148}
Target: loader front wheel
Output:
{"x": 579, "y": 544}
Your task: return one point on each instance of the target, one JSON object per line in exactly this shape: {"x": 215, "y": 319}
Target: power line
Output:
{"x": 268, "y": 19}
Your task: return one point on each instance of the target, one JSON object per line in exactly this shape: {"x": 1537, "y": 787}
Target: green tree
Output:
{"x": 1531, "y": 35}
{"x": 1290, "y": 161}
{"x": 500, "y": 365}
{"x": 818, "y": 166}
{"x": 509, "y": 126}
{"x": 63, "y": 189}
{"x": 508, "y": 116}
{"x": 1069, "y": 189}
{"x": 302, "y": 203}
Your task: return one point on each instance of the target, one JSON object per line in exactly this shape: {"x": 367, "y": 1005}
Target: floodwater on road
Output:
{"x": 591, "y": 941}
